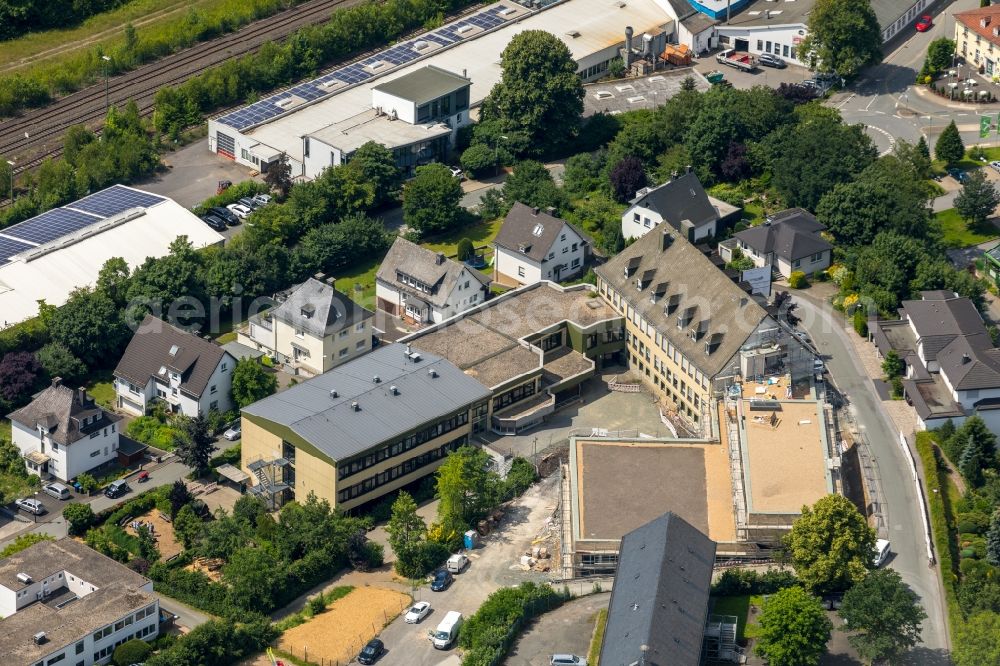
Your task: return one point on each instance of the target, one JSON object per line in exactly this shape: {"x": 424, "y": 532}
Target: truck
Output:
{"x": 457, "y": 562}
{"x": 447, "y": 631}
{"x": 738, "y": 59}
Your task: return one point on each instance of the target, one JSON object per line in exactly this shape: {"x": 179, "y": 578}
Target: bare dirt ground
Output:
{"x": 163, "y": 530}
{"x": 336, "y": 635}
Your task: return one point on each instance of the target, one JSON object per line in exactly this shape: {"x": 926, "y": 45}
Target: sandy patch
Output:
{"x": 163, "y": 530}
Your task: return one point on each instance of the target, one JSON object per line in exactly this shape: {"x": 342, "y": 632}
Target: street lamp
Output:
{"x": 107, "y": 105}
{"x": 11, "y": 163}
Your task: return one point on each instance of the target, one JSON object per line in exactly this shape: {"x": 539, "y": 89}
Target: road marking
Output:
{"x": 874, "y": 99}
{"x": 849, "y": 98}
{"x": 890, "y": 137}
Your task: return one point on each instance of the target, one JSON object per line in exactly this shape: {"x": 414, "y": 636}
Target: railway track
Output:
{"x": 46, "y": 126}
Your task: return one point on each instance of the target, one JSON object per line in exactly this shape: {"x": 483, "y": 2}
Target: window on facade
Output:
{"x": 299, "y": 333}
{"x": 214, "y": 404}
{"x": 79, "y": 647}
{"x": 636, "y": 217}
{"x": 576, "y": 263}
{"x": 520, "y": 271}
{"x": 213, "y": 390}
{"x": 760, "y": 45}
{"x": 360, "y": 344}
{"x": 360, "y": 327}
{"x": 93, "y": 435}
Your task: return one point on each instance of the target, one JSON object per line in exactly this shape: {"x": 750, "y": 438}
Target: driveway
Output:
{"x": 828, "y": 331}
{"x": 567, "y": 629}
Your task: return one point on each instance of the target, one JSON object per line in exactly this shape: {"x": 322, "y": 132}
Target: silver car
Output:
{"x": 32, "y": 506}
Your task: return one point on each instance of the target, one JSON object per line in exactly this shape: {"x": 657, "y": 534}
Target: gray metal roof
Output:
{"x": 424, "y": 85}
{"x": 660, "y": 596}
{"x": 338, "y": 431}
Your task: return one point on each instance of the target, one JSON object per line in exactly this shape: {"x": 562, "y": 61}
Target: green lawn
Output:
{"x": 481, "y": 235}
{"x": 226, "y": 337}
{"x": 738, "y": 606}
{"x": 101, "y": 386}
{"x": 5, "y": 429}
{"x": 359, "y": 283}
{"x": 956, "y": 232}
{"x": 753, "y": 213}
{"x": 600, "y": 624}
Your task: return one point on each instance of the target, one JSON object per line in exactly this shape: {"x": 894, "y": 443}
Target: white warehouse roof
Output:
{"x": 50, "y": 255}
{"x": 586, "y": 26}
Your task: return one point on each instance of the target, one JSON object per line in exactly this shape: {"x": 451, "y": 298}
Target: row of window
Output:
{"x": 108, "y": 651}
{"x": 776, "y": 48}
{"x": 593, "y": 71}
{"x": 516, "y": 394}
{"x": 665, "y": 387}
{"x": 402, "y": 446}
{"x": 104, "y": 632}
{"x": 402, "y": 469}
{"x": 812, "y": 260}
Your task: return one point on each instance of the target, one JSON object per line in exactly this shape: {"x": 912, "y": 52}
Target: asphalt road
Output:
{"x": 904, "y": 520}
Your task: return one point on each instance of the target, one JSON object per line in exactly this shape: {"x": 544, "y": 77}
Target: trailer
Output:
{"x": 738, "y": 59}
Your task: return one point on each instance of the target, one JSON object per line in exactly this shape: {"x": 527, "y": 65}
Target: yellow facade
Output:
{"x": 322, "y": 354}
{"x": 976, "y": 49}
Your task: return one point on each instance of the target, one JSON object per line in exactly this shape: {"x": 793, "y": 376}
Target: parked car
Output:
{"x": 262, "y": 199}
{"x": 225, "y": 214}
{"x": 881, "y": 552}
{"x": 214, "y": 222}
{"x": 771, "y": 60}
{"x": 250, "y": 203}
{"x": 457, "y": 562}
{"x": 234, "y": 432}
{"x": 457, "y": 172}
{"x": 925, "y": 23}
{"x": 958, "y": 174}
{"x": 371, "y": 652}
{"x": 818, "y": 365}
{"x": 567, "y": 660}
{"x": 442, "y": 580}
{"x": 30, "y": 505}
{"x": 116, "y": 489}
{"x": 239, "y": 210}
{"x": 417, "y": 612}
{"x": 57, "y": 490}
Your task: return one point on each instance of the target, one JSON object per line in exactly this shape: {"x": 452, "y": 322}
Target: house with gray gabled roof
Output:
{"x": 659, "y": 603}
{"x": 361, "y": 430}
{"x": 313, "y": 329}
{"x": 534, "y": 245}
{"x": 162, "y": 362}
{"x": 788, "y": 241}
{"x": 683, "y": 204}
{"x": 421, "y": 286}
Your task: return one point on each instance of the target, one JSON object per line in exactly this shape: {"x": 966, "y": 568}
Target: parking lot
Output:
{"x": 566, "y": 630}
{"x": 763, "y": 76}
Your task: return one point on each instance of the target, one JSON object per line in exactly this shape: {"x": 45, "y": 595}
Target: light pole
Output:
{"x": 11, "y": 163}
{"x": 107, "y": 105}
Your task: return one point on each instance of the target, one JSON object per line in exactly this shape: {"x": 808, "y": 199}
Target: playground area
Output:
{"x": 162, "y": 529}
{"x": 335, "y": 636}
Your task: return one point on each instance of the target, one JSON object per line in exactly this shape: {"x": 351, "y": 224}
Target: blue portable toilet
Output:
{"x": 471, "y": 539}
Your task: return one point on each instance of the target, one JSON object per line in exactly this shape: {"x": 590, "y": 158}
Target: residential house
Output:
{"x": 63, "y": 603}
{"x": 683, "y": 204}
{"x": 361, "y": 430}
{"x": 63, "y": 433}
{"x": 952, "y": 365}
{"x": 977, "y": 39}
{"x": 190, "y": 374}
{"x": 422, "y": 286}
{"x": 533, "y": 245}
{"x": 788, "y": 241}
{"x": 313, "y": 330}
{"x": 659, "y": 603}
{"x": 691, "y": 330}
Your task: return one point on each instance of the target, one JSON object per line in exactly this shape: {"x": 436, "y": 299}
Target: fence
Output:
{"x": 921, "y": 500}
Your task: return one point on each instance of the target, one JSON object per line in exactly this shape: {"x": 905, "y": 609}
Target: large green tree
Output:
{"x": 171, "y": 283}
{"x": 940, "y": 53}
{"x": 883, "y": 616}
{"x": 831, "y": 545}
{"x": 793, "y": 629}
{"x": 843, "y": 37}
{"x": 194, "y": 444}
{"x": 993, "y": 539}
{"x": 251, "y": 382}
{"x": 532, "y": 184}
{"x": 467, "y": 490}
{"x": 976, "y": 448}
{"x": 90, "y": 325}
{"x": 335, "y": 247}
{"x": 949, "y": 146}
{"x": 377, "y": 166}
{"x": 977, "y": 200}
{"x": 977, "y": 641}
{"x": 58, "y": 361}
{"x": 539, "y": 93}
{"x": 431, "y": 200}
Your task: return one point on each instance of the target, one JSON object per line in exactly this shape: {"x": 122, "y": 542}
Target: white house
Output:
{"x": 63, "y": 603}
{"x": 681, "y": 202}
{"x": 314, "y": 329}
{"x": 162, "y": 362}
{"x": 62, "y": 432}
{"x": 788, "y": 241}
{"x": 421, "y": 286}
{"x": 533, "y": 245}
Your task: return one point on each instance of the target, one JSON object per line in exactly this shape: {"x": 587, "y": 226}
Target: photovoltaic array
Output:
{"x": 400, "y": 54}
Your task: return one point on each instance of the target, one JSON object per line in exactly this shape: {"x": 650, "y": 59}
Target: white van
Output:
{"x": 881, "y": 552}
{"x": 456, "y": 563}
{"x": 447, "y": 631}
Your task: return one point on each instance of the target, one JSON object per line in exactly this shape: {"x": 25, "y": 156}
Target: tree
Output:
{"x": 158, "y": 285}
{"x": 793, "y": 629}
{"x": 539, "y": 93}
{"x": 831, "y": 545}
{"x": 939, "y": 54}
{"x": 131, "y": 652}
{"x": 179, "y": 497}
{"x": 254, "y": 578}
{"x": 977, "y": 641}
{"x": 18, "y": 376}
{"x": 883, "y": 616}
{"x": 188, "y": 526}
{"x": 430, "y": 200}
{"x": 195, "y": 445}
{"x": 334, "y": 247}
{"x": 251, "y": 382}
{"x": 949, "y": 146}
{"x": 80, "y": 517}
{"x": 977, "y": 200}
{"x": 893, "y": 366}
{"x": 627, "y": 177}
{"x": 466, "y": 490}
{"x": 531, "y": 184}
{"x": 112, "y": 280}
{"x": 279, "y": 175}
{"x": 407, "y": 536}
{"x": 843, "y": 37}
{"x": 378, "y": 167}
{"x": 90, "y": 325}
{"x": 465, "y": 250}
{"x": 58, "y": 361}
{"x": 993, "y": 540}
{"x": 478, "y": 159}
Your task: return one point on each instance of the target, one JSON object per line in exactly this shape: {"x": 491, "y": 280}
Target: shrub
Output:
{"x": 131, "y": 652}
{"x": 24, "y": 541}
{"x": 519, "y": 478}
{"x": 80, "y": 518}
{"x": 478, "y": 159}
{"x": 88, "y": 484}
{"x": 860, "y": 322}
{"x": 897, "y": 387}
{"x": 486, "y": 634}
{"x": 465, "y": 250}
{"x": 797, "y": 280}
{"x": 738, "y": 582}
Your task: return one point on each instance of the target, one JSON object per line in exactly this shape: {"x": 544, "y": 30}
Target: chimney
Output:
{"x": 551, "y": 210}
{"x": 81, "y": 396}
{"x": 687, "y": 169}
{"x": 628, "y": 47}
{"x": 56, "y": 382}
{"x": 665, "y": 240}
{"x": 394, "y": 389}
{"x": 355, "y": 406}
{"x": 376, "y": 379}
{"x": 966, "y": 359}
{"x": 465, "y": 74}
{"x": 319, "y": 277}
{"x": 439, "y": 259}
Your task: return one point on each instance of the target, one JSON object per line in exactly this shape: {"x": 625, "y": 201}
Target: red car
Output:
{"x": 925, "y": 23}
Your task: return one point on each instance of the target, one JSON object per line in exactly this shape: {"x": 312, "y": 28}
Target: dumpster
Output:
{"x": 715, "y": 76}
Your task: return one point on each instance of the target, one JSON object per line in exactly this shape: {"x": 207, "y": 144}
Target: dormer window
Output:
{"x": 173, "y": 350}
{"x": 307, "y": 311}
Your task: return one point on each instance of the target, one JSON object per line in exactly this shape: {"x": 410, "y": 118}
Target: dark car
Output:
{"x": 958, "y": 175}
{"x": 370, "y": 653}
{"x": 227, "y": 215}
{"x": 116, "y": 489}
{"x": 442, "y": 579}
{"x": 770, "y": 60}
{"x": 214, "y": 222}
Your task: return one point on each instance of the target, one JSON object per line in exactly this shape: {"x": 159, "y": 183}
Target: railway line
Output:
{"x": 38, "y": 133}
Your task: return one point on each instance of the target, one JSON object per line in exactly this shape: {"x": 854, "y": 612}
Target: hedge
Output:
{"x": 232, "y": 194}
{"x": 488, "y": 633}
{"x": 734, "y": 582}
{"x": 217, "y": 643}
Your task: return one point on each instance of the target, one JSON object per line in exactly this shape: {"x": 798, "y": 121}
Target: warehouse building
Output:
{"x": 320, "y": 122}
{"x": 48, "y": 256}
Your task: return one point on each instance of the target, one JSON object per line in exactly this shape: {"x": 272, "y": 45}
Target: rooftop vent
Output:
{"x": 603, "y": 94}
{"x": 464, "y": 29}
{"x": 432, "y": 373}
{"x": 421, "y": 44}
{"x": 573, "y": 33}
{"x": 394, "y": 389}
{"x": 24, "y": 578}
{"x": 285, "y": 103}
{"x": 39, "y": 638}
{"x": 966, "y": 359}
{"x": 376, "y": 379}
{"x": 355, "y": 406}
{"x": 334, "y": 394}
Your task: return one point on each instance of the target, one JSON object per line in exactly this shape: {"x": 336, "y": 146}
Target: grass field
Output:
{"x": 101, "y": 387}
{"x": 481, "y": 234}
{"x": 600, "y": 624}
{"x": 738, "y": 606}
{"x": 956, "y": 232}
{"x": 359, "y": 283}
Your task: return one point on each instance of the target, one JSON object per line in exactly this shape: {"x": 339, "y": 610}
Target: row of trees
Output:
{"x": 20, "y": 16}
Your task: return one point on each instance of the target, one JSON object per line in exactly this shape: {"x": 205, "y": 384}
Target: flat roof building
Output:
{"x": 63, "y": 602}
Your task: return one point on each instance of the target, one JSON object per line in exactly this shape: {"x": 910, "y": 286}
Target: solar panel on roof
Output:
{"x": 114, "y": 200}
{"x": 51, "y": 225}
{"x": 9, "y": 247}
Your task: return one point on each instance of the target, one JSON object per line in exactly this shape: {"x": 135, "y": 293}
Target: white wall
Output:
{"x": 222, "y": 380}
{"x": 512, "y": 264}
{"x": 405, "y": 109}
{"x": 85, "y": 454}
{"x": 321, "y": 155}
{"x": 8, "y": 600}
{"x": 133, "y": 403}
{"x": 786, "y": 36}
{"x": 562, "y": 253}
{"x": 649, "y": 219}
